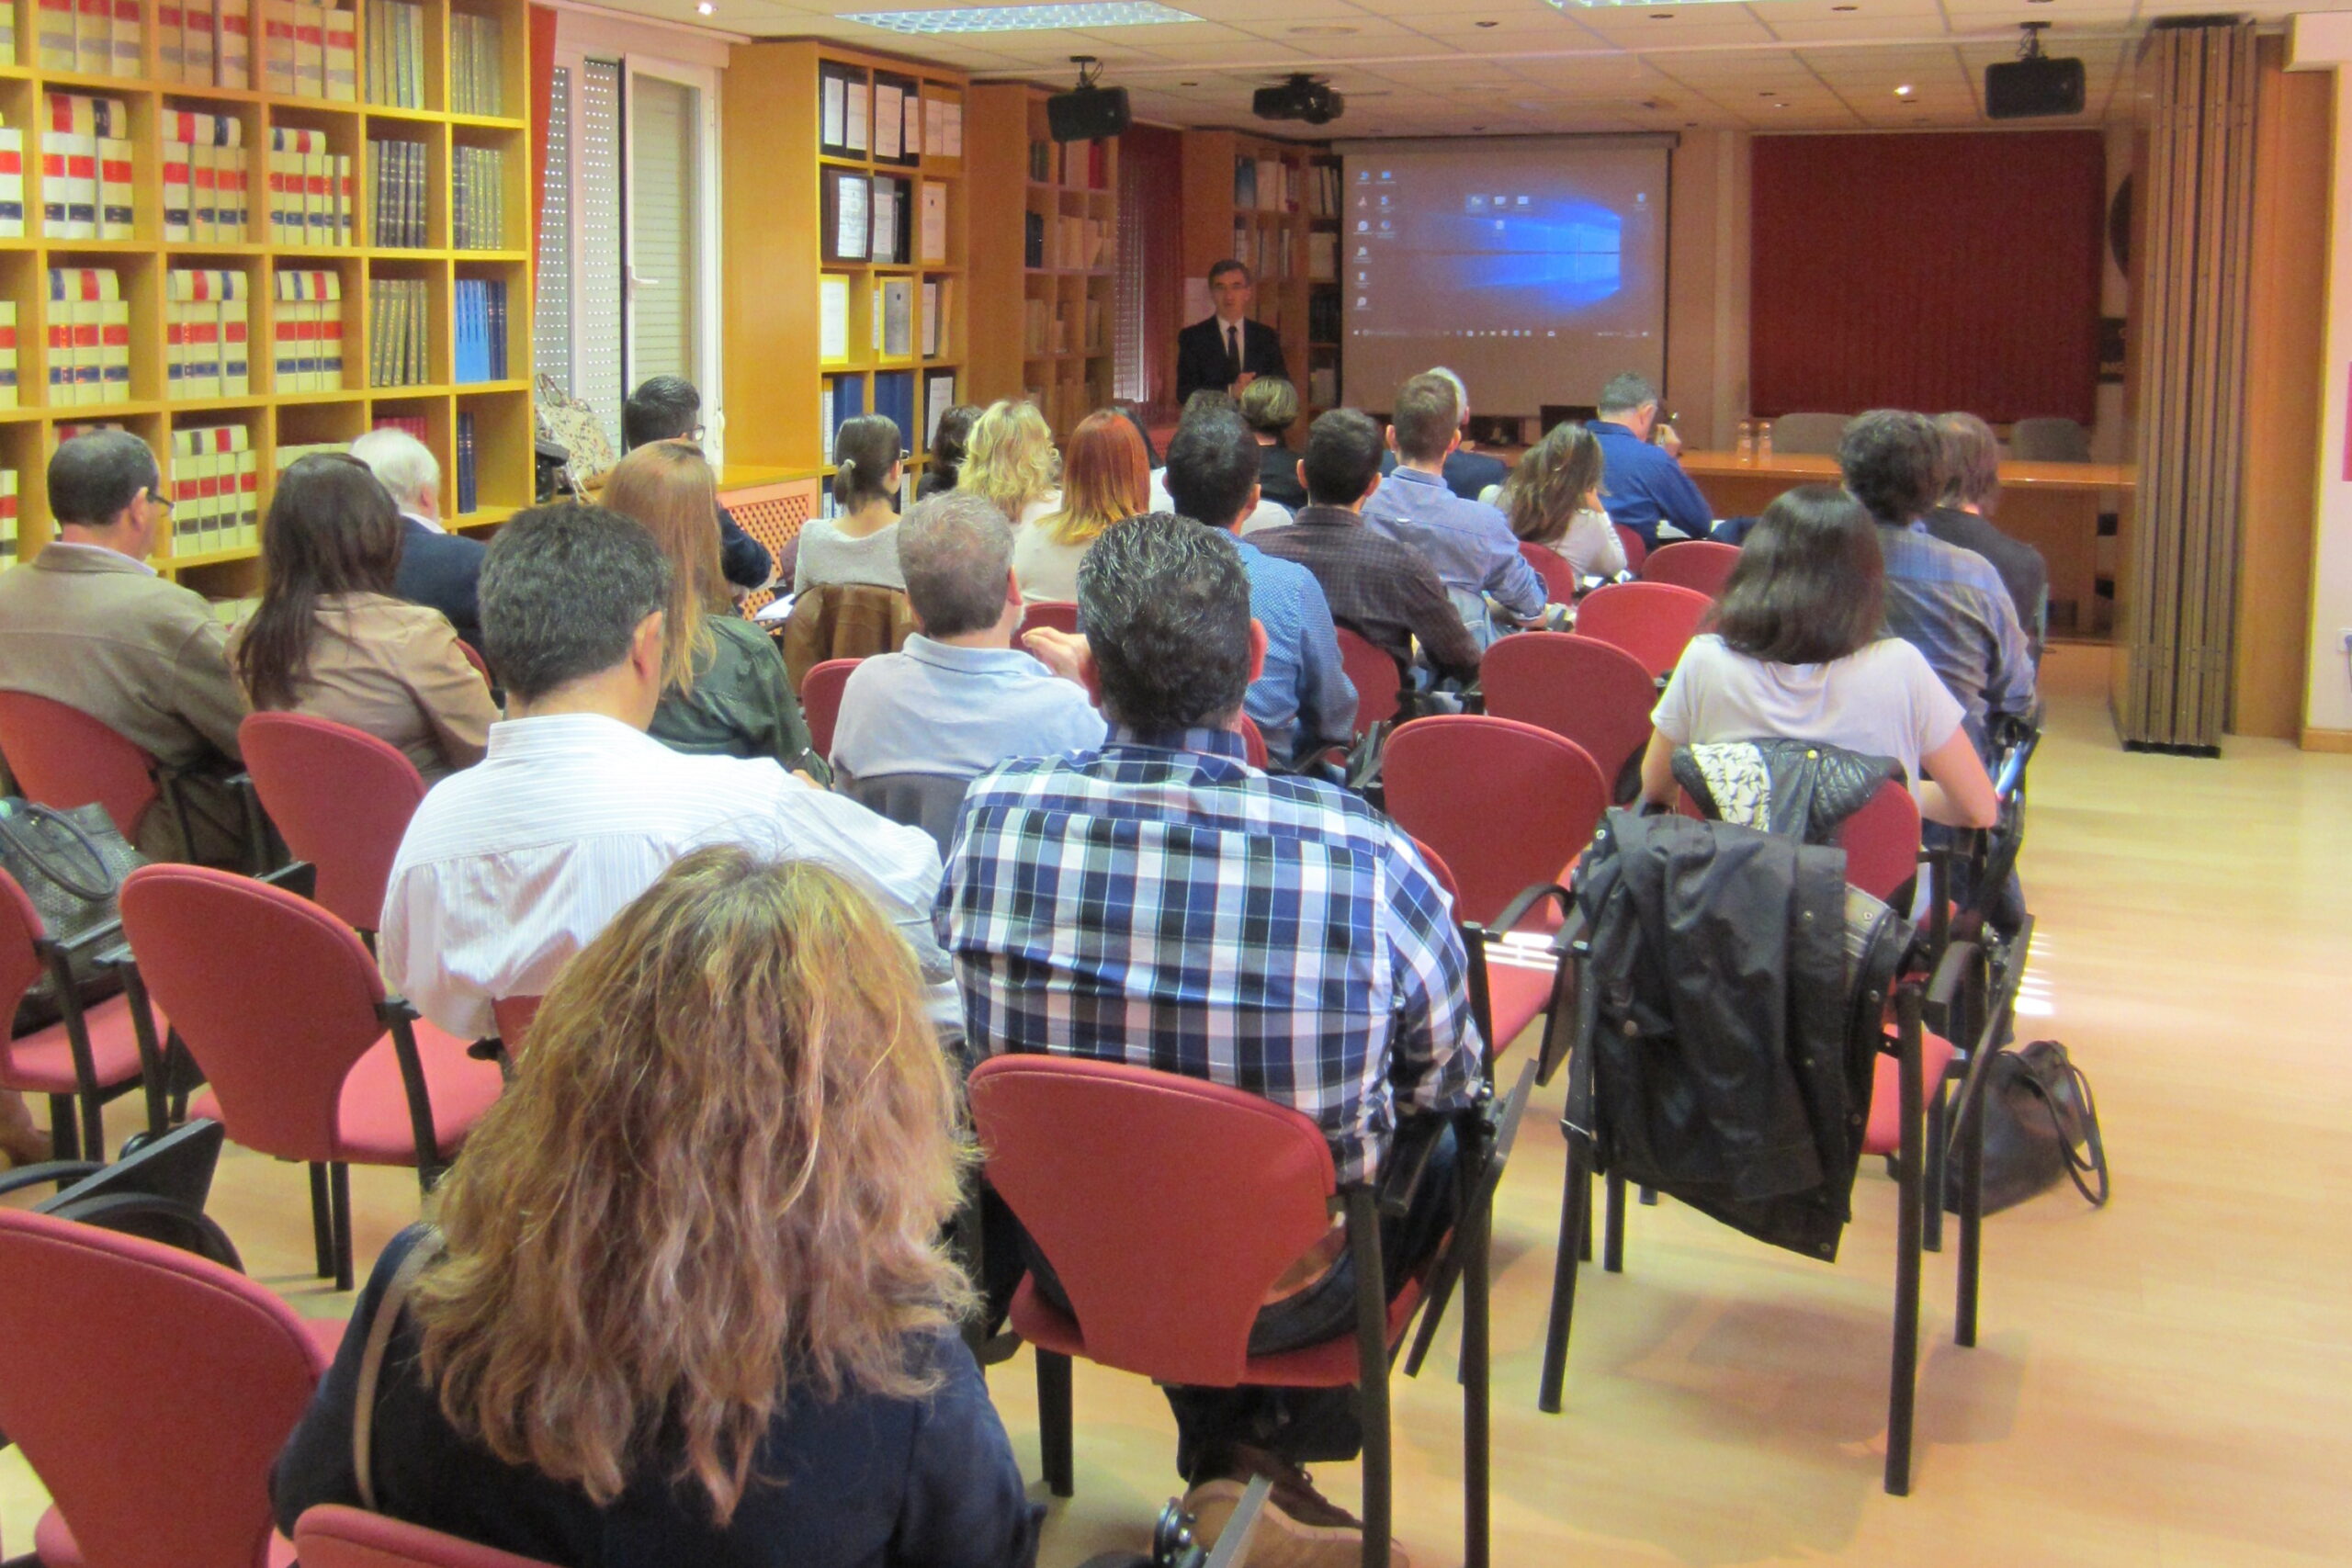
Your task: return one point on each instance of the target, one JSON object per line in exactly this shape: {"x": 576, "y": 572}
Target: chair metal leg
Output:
{"x": 1971, "y": 1226}
{"x": 321, "y": 1221}
{"x": 1372, "y": 1371}
{"x": 64, "y": 1134}
{"x": 1932, "y": 1199}
{"x": 1585, "y": 1234}
{"x": 1576, "y": 1205}
{"x": 1903, "y": 1386}
{"x": 1649, "y": 1197}
{"x": 1612, "y": 1247}
{"x": 339, "y": 1189}
{"x": 1476, "y": 1435}
{"x": 1054, "y": 1434}
{"x": 94, "y": 1129}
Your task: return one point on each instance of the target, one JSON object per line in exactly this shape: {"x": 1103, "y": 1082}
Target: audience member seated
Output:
{"x": 861, "y": 542}
{"x": 1382, "y": 591}
{"x": 1947, "y": 602}
{"x": 1010, "y": 460}
{"x": 705, "y": 1320}
{"x": 1302, "y": 700}
{"x": 1106, "y": 477}
{"x": 1468, "y": 542}
{"x": 514, "y": 865}
{"x": 723, "y": 687}
{"x": 437, "y": 568}
{"x": 1797, "y": 651}
{"x": 1553, "y": 499}
{"x": 1351, "y": 1008}
{"x": 1468, "y": 474}
{"x": 1210, "y": 400}
{"x": 89, "y": 624}
{"x": 668, "y": 408}
{"x": 1641, "y": 485}
{"x": 960, "y": 698}
{"x": 948, "y": 434}
{"x": 1964, "y": 517}
{"x": 331, "y": 640}
{"x": 1269, "y": 406}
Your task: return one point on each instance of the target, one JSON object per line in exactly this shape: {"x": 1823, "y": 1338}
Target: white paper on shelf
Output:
{"x": 934, "y": 221}
{"x": 850, "y": 230}
{"x": 885, "y": 249}
{"x": 835, "y": 129}
{"x": 853, "y": 133}
{"x": 888, "y": 120}
{"x": 833, "y": 319}
{"x": 950, "y": 140}
{"x": 914, "y": 126}
{"x": 933, "y": 114}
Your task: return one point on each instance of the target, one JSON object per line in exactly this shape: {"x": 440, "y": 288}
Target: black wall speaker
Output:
{"x": 1093, "y": 112}
{"x": 2033, "y": 89}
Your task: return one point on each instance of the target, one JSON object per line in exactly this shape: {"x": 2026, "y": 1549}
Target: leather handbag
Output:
{"x": 70, "y": 864}
{"x": 2040, "y": 1124}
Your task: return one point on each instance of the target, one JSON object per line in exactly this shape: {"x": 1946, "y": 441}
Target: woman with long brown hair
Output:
{"x": 1553, "y": 499}
{"x": 1106, "y": 478}
{"x": 724, "y": 691}
{"x": 687, "y": 1303}
{"x": 330, "y": 640}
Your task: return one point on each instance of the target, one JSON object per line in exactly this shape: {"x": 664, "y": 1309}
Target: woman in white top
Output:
{"x": 1553, "y": 499}
{"x": 860, "y": 545}
{"x": 1798, "y": 651}
{"x": 1105, "y": 480}
{"x": 1010, "y": 460}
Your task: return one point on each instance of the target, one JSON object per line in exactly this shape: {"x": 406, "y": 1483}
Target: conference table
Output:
{"x": 2054, "y": 507}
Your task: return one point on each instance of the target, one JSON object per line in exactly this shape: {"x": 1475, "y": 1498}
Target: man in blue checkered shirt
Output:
{"x": 1159, "y": 902}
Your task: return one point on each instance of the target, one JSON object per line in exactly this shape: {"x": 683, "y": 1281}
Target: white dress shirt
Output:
{"x": 512, "y": 866}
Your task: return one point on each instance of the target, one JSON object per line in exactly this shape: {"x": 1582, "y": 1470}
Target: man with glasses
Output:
{"x": 668, "y": 408}
{"x": 89, "y": 624}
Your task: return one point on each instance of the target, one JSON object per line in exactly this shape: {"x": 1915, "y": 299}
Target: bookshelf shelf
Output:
{"x": 270, "y": 415}
{"x": 1247, "y": 196}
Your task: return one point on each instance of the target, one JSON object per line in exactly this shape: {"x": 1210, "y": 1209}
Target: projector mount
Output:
{"x": 2030, "y": 46}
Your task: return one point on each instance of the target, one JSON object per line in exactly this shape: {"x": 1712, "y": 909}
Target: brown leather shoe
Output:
{"x": 1300, "y": 1527}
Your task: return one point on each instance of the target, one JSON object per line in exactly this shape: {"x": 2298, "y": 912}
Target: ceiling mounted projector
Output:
{"x": 1087, "y": 112}
{"x": 2034, "y": 85}
{"x": 1309, "y": 98}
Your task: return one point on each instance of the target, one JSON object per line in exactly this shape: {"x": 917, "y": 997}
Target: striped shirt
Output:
{"x": 512, "y": 865}
{"x": 1161, "y": 903}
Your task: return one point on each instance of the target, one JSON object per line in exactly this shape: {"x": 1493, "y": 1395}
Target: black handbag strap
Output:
{"x": 2076, "y": 1165}
{"x": 39, "y": 857}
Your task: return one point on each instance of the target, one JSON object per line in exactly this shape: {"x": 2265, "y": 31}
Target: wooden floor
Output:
{"x": 2166, "y": 1382}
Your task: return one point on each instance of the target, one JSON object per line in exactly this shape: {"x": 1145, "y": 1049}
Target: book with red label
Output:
{"x": 196, "y": 31}
{"x": 12, "y": 182}
{"x": 94, "y": 37}
{"x": 232, "y": 59}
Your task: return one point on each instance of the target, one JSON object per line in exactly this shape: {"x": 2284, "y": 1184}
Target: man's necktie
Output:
{"x": 1233, "y": 349}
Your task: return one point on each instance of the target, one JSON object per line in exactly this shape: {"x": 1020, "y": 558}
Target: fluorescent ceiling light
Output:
{"x": 1022, "y": 18}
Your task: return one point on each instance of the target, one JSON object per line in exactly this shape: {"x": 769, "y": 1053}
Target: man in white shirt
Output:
{"x": 511, "y": 866}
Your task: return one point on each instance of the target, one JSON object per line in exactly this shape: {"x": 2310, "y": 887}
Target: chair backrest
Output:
{"x": 1698, "y": 564}
{"x": 514, "y": 1016}
{"x": 1652, "y": 621}
{"x": 1882, "y": 841}
{"x": 63, "y": 757}
{"x": 150, "y": 1389}
{"x": 1506, "y": 803}
{"x": 1814, "y": 433}
{"x": 1439, "y": 869}
{"x": 933, "y": 801}
{"x": 275, "y": 998}
{"x": 2049, "y": 441}
{"x": 843, "y": 620}
{"x": 1588, "y": 690}
{"x": 331, "y": 1536}
{"x": 20, "y": 966}
{"x": 1060, "y": 616}
{"x": 341, "y": 798}
{"x": 1254, "y": 741}
{"x": 820, "y": 701}
{"x": 481, "y": 665}
{"x": 1636, "y": 552}
{"x": 1376, "y": 677}
{"x": 1559, "y": 577}
{"x": 1167, "y": 1205}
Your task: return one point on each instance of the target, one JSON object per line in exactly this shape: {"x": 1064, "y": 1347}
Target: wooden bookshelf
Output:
{"x": 1056, "y": 349}
{"x": 273, "y": 416}
{"x": 778, "y": 265}
{"x": 1326, "y": 308}
{"x": 1267, "y": 233}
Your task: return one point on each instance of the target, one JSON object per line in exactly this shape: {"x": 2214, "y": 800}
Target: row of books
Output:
{"x": 1323, "y": 255}
{"x": 306, "y": 332}
{"x": 396, "y": 54}
{"x": 7, "y": 517}
{"x": 466, "y": 476}
{"x": 1265, "y": 185}
{"x": 399, "y": 333}
{"x": 1267, "y": 252}
{"x": 1062, "y": 328}
{"x": 216, "y": 491}
{"x": 207, "y": 182}
{"x": 395, "y": 179}
{"x": 1323, "y": 190}
{"x": 8, "y": 354}
{"x": 311, "y": 197}
{"x": 843, "y": 397}
{"x": 85, "y": 167}
{"x": 89, "y": 337}
{"x": 1077, "y": 166}
{"x": 97, "y": 38}
{"x": 1323, "y": 316}
{"x": 1064, "y": 403}
{"x": 477, "y": 82}
{"x": 887, "y": 117}
{"x": 479, "y": 307}
{"x": 1066, "y": 242}
{"x": 478, "y": 198}
{"x": 208, "y": 327}
{"x": 12, "y": 179}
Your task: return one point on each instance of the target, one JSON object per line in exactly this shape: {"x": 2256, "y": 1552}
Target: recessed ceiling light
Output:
{"x": 1845, "y": 7}
{"x": 1188, "y": 84}
{"x": 1022, "y": 18}
{"x": 1322, "y": 32}
{"x": 1486, "y": 24}
{"x": 705, "y": 8}
{"x": 1903, "y": 91}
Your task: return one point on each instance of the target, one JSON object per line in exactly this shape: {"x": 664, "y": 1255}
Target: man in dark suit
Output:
{"x": 437, "y": 568}
{"x": 668, "y": 408}
{"x": 1228, "y": 350}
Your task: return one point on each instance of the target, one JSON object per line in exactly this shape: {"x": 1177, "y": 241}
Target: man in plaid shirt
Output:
{"x": 1161, "y": 903}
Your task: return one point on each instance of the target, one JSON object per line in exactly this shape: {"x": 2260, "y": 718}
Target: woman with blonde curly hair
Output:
{"x": 1010, "y": 460}
{"x": 687, "y": 1302}
{"x": 1107, "y": 479}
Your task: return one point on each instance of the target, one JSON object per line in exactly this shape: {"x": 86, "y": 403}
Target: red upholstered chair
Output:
{"x": 1254, "y": 741}
{"x": 1652, "y": 621}
{"x": 1053, "y": 613}
{"x": 481, "y": 666}
{"x": 1577, "y": 687}
{"x": 331, "y": 1536}
{"x": 1167, "y": 1206}
{"x": 1881, "y": 841}
{"x": 1375, "y": 678}
{"x": 820, "y": 702}
{"x": 284, "y": 1012}
{"x": 151, "y": 1390}
{"x": 514, "y": 1016}
{"x": 90, "y": 1055}
{"x": 341, "y": 798}
{"x": 1509, "y": 806}
{"x": 1510, "y": 986}
{"x": 1701, "y": 565}
{"x": 1636, "y": 552}
{"x": 1559, "y": 577}
{"x": 63, "y": 757}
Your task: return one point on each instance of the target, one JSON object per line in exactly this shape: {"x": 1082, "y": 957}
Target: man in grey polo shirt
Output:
{"x": 960, "y": 698}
